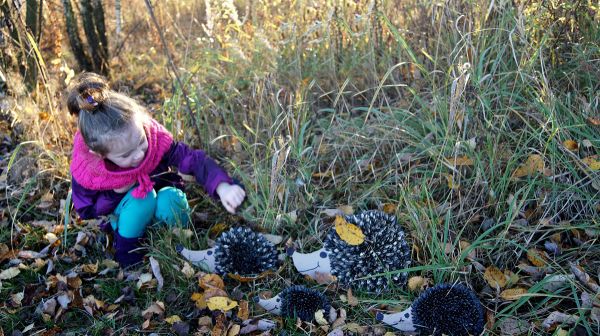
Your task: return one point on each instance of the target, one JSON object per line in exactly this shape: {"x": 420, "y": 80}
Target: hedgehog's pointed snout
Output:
{"x": 202, "y": 258}
{"x": 312, "y": 263}
{"x": 379, "y": 316}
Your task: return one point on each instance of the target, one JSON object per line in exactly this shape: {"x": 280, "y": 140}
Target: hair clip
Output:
{"x": 91, "y": 100}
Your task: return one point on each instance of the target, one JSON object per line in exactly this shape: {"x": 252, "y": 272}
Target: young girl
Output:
{"x": 121, "y": 167}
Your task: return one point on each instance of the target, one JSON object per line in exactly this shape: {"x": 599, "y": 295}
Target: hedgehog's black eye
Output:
{"x": 323, "y": 255}
{"x": 209, "y": 252}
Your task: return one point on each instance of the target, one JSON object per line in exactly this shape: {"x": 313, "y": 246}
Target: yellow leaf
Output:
{"x": 220, "y": 303}
{"x": 592, "y": 162}
{"x": 390, "y": 208}
{"x": 451, "y": 183}
{"x": 460, "y": 161}
{"x": 494, "y": 277}
{"x": 173, "y": 319}
{"x": 534, "y": 164}
{"x": 513, "y": 293}
{"x": 570, "y": 145}
{"x": 234, "y": 330}
{"x": 90, "y": 268}
{"x": 416, "y": 283}
{"x": 216, "y": 229}
{"x": 536, "y": 257}
{"x": 211, "y": 281}
{"x": 244, "y": 312}
{"x": 44, "y": 116}
{"x": 199, "y": 300}
{"x": 349, "y": 233}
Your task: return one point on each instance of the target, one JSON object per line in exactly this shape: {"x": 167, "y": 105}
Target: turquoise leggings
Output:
{"x": 133, "y": 215}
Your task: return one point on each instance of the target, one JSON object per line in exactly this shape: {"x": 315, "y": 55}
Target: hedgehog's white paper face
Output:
{"x": 272, "y": 305}
{"x": 201, "y": 258}
{"x": 402, "y": 321}
{"x": 312, "y": 263}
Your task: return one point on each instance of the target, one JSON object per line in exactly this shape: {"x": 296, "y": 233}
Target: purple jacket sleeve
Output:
{"x": 93, "y": 203}
{"x": 195, "y": 162}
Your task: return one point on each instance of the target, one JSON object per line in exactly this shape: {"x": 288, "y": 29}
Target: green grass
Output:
{"x": 366, "y": 105}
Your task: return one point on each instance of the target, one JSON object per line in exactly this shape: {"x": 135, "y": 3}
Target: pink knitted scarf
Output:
{"x": 93, "y": 172}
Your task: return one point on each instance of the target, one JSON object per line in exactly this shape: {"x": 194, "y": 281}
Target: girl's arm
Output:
{"x": 195, "y": 162}
{"x": 93, "y": 203}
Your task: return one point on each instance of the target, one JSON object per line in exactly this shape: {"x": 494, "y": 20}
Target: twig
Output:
{"x": 172, "y": 64}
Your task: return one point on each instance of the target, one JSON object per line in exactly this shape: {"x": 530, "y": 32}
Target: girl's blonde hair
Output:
{"x": 102, "y": 113}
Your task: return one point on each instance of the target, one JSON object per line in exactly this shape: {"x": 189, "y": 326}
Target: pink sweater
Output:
{"x": 95, "y": 173}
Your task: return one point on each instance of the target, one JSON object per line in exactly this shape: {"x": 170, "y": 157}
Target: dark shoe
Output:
{"x": 127, "y": 250}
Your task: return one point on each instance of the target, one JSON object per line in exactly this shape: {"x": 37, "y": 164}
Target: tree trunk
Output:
{"x": 74, "y": 39}
{"x": 101, "y": 30}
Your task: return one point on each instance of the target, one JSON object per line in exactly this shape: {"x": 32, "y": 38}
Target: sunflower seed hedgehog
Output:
{"x": 238, "y": 251}
{"x": 296, "y": 301}
{"x": 445, "y": 309}
{"x": 384, "y": 250}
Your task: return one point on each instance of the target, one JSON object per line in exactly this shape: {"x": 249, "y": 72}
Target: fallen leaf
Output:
{"x": 534, "y": 164}
{"x": 219, "y": 327}
{"x": 217, "y": 229}
{"x": 172, "y": 319}
{"x": 9, "y": 273}
{"x": 16, "y": 299}
{"x": 90, "y": 268}
{"x": 512, "y": 294}
{"x": 594, "y": 121}
{"x": 181, "y": 328}
{"x": 459, "y": 161}
{"x": 185, "y": 233}
{"x": 211, "y": 281}
{"x": 415, "y": 283}
{"x": 220, "y": 303}
{"x": 244, "y": 310}
{"x": 214, "y": 292}
{"x": 144, "y": 278}
{"x": 348, "y": 232}
{"x": 234, "y": 330}
{"x": 494, "y": 277}
{"x": 64, "y": 299}
{"x": 187, "y": 270}
{"x": 570, "y": 145}
{"x": 323, "y": 278}
{"x": 156, "y": 271}
{"x": 274, "y": 239}
{"x": 352, "y": 300}
{"x": 354, "y": 328}
{"x": 199, "y": 300}
{"x": 511, "y": 326}
{"x": 450, "y": 182}
{"x": 320, "y": 318}
{"x": 390, "y": 208}
{"x": 157, "y": 308}
{"x": 592, "y": 162}
{"x": 536, "y": 257}
{"x": 346, "y": 209}
{"x": 558, "y": 318}
{"x": 50, "y": 237}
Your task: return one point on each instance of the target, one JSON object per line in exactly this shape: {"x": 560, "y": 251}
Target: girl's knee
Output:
{"x": 133, "y": 215}
{"x": 172, "y": 207}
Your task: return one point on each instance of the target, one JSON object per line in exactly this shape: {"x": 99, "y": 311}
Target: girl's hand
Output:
{"x": 124, "y": 189}
{"x": 231, "y": 195}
